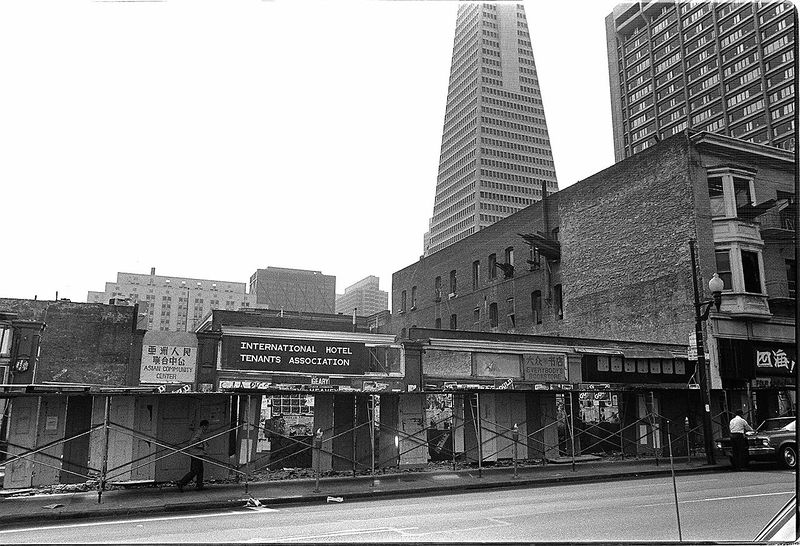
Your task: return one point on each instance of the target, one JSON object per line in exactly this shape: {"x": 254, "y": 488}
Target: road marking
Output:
{"x": 140, "y": 520}
{"x": 348, "y": 532}
{"x": 721, "y": 498}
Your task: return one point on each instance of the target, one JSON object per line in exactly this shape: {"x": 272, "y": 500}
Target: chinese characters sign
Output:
{"x": 774, "y": 361}
{"x": 544, "y": 368}
{"x": 168, "y": 357}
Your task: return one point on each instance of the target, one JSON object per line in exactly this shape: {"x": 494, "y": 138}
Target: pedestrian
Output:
{"x": 197, "y": 446}
{"x": 739, "y": 455}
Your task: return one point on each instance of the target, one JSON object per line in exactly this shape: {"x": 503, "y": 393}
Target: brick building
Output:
{"x": 609, "y": 258}
{"x": 86, "y": 343}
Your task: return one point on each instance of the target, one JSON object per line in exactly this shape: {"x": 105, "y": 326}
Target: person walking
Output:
{"x": 739, "y": 453}
{"x": 197, "y": 446}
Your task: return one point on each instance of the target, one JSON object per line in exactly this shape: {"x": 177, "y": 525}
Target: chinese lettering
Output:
{"x": 774, "y": 359}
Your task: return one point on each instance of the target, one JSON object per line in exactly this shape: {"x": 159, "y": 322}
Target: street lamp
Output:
{"x": 701, "y": 311}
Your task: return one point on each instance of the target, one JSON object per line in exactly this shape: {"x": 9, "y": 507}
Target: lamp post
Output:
{"x": 701, "y": 311}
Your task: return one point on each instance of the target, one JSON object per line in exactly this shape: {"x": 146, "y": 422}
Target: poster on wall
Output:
{"x": 168, "y": 357}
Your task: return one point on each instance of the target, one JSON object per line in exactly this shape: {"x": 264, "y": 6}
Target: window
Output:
{"x": 512, "y": 321}
{"x": 5, "y": 340}
{"x": 536, "y": 307}
{"x": 438, "y": 323}
{"x": 437, "y": 289}
{"x": 510, "y": 255}
{"x": 476, "y": 315}
{"x": 554, "y": 234}
{"x": 741, "y": 191}
{"x": 493, "y": 315}
{"x": 492, "y": 266}
{"x": 717, "y": 195}
{"x": 453, "y": 282}
{"x": 453, "y": 322}
{"x": 403, "y": 301}
{"x": 751, "y": 271}
{"x": 476, "y": 274}
{"x": 558, "y": 301}
{"x": 724, "y": 268}
{"x": 413, "y": 297}
{"x": 791, "y": 278}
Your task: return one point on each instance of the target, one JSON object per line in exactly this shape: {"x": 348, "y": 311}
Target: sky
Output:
{"x": 209, "y": 139}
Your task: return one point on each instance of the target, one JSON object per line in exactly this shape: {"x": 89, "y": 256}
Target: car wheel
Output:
{"x": 789, "y": 456}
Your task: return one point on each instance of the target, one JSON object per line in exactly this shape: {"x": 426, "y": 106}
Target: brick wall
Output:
{"x": 625, "y": 248}
{"x": 83, "y": 342}
{"x": 460, "y": 257}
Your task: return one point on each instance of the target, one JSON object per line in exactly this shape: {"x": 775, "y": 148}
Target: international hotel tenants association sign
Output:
{"x": 292, "y": 355}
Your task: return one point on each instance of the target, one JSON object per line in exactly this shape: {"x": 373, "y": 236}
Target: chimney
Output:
{"x": 152, "y": 271}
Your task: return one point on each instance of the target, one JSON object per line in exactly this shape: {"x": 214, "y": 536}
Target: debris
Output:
{"x": 253, "y": 503}
{"x": 53, "y": 506}
{"x": 335, "y": 499}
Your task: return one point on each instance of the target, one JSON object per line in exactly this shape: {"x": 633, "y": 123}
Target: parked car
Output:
{"x": 774, "y": 440}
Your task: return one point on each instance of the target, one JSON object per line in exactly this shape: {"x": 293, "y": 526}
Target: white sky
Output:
{"x": 212, "y": 138}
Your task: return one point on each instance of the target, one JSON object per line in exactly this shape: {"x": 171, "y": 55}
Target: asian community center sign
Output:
{"x": 168, "y": 357}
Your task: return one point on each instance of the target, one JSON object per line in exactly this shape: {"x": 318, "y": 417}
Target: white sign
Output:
{"x": 168, "y": 357}
{"x": 692, "y": 352}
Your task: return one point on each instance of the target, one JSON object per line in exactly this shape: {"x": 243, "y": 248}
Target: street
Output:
{"x": 731, "y": 506}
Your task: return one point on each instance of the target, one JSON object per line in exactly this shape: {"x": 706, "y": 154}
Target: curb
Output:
{"x": 321, "y": 498}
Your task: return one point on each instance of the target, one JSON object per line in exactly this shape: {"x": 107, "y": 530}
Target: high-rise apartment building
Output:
{"x": 175, "y": 303}
{"x": 722, "y": 67}
{"x": 294, "y": 290}
{"x": 495, "y": 157}
{"x": 364, "y": 296}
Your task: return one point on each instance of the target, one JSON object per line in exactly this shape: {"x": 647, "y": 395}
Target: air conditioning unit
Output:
{"x": 451, "y": 295}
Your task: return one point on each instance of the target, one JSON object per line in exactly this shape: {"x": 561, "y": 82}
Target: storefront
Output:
{"x": 759, "y": 377}
{"x": 300, "y": 381}
{"x": 483, "y": 389}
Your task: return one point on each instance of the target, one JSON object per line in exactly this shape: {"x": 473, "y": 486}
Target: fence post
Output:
{"x": 372, "y": 436}
{"x": 317, "y": 460}
{"x": 104, "y": 467}
{"x": 515, "y": 437}
{"x": 480, "y": 433}
{"x": 249, "y": 450}
{"x": 572, "y": 428}
{"x": 354, "y": 433}
{"x": 674, "y": 484}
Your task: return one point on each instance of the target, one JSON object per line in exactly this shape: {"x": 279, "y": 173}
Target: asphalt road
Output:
{"x": 731, "y": 506}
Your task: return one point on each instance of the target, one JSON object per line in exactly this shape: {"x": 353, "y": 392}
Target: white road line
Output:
{"x": 140, "y": 520}
{"x": 711, "y": 499}
{"x": 348, "y": 532}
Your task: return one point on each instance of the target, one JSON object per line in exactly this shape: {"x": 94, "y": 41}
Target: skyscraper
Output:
{"x": 722, "y": 67}
{"x": 365, "y": 296}
{"x": 495, "y": 156}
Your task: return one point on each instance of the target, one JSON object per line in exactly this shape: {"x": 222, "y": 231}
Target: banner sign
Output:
{"x": 774, "y": 360}
{"x": 544, "y": 368}
{"x": 292, "y": 355}
{"x": 168, "y": 357}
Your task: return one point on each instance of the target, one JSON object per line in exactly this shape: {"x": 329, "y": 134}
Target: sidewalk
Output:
{"x": 36, "y": 509}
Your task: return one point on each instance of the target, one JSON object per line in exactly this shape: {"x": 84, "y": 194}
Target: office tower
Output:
{"x": 495, "y": 156}
{"x": 174, "y": 303}
{"x": 722, "y": 67}
{"x": 294, "y": 290}
{"x": 364, "y": 296}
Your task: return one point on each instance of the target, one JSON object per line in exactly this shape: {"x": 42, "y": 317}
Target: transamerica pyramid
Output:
{"x": 495, "y": 157}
